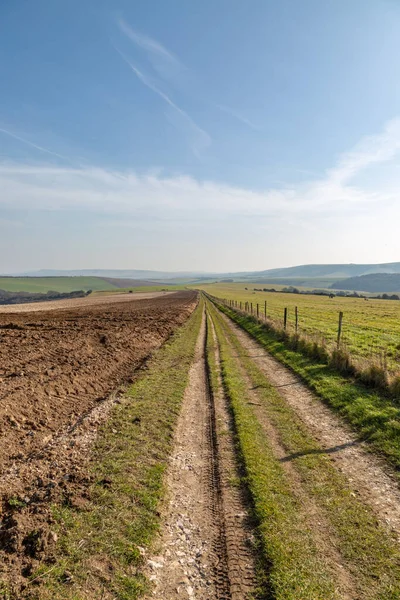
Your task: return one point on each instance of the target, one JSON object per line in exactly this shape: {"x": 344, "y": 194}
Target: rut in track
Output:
{"x": 367, "y": 474}
{"x": 206, "y": 540}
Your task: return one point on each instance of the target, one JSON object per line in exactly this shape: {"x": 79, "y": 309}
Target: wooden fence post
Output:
{"x": 339, "y": 333}
{"x": 265, "y": 310}
{"x": 251, "y": 305}
{"x": 258, "y": 310}
{"x": 296, "y": 313}
{"x": 240, "y": 305}
{"x": 284, "y": 318}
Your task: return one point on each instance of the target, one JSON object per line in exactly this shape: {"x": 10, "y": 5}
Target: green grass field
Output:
{"x": 42, "y": 285}
{"x": 371, "y": 328}
{"x": 148, "y": 288}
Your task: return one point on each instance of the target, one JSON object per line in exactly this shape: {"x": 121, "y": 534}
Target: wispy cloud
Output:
{"x": 200, "y": 139}
{"x": 163, "y": 61}
{"x": 237, "y": 115}
{"x": 171, "y": 217}
{"x": 32, "y": 144}
{"x": 370, "y": 150}
{"x": 174, "y": 198}
{"x": 147, "y": 43}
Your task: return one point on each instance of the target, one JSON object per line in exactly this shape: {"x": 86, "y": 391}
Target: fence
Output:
{"x": 365, "y": 351}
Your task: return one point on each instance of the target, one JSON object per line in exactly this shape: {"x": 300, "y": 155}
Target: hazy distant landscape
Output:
{"x": 369, "y": 278}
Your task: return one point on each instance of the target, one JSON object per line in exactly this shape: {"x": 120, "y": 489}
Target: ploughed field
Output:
{"x": 57, "y": 369}
{"x": 55, "y": 366}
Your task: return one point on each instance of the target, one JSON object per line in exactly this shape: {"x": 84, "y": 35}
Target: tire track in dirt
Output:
{"x": 366, "y": 473}
{"x": 205, "y": 540}
{"x": 238, "y": 526}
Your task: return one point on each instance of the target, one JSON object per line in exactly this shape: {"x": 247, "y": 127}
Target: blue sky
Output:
{"x": 213, "y": 135}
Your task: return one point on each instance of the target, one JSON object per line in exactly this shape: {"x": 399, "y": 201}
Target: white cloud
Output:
{"x": 185, "y": 198}
{"x": 370, "y": 150}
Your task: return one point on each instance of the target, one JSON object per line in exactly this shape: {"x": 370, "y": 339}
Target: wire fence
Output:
{"x": 368, "y": 345}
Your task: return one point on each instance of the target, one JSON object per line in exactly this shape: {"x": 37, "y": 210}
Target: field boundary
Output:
{"x": 373, "y": 373}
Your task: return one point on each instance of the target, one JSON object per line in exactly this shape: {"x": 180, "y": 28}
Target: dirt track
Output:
{"x": 57, "y": 369}
{"x": 207, "y": 537}
{"x": 205, "y": 547}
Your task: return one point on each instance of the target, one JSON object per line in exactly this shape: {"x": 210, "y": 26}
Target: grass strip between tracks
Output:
{"x": 373, "y": 416}
{"x": 100, "y": 549}
{"x": 370, "y": 552}
{"x": 296, "y": 571}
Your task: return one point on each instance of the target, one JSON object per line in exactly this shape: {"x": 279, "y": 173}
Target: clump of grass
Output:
{"x": 340, "y": 360}
{"x": 294, "y": 341}
{"x": 395, "y": 388}
{"x": 319, "y": 352}
{"x": 375, "y": 376}
{"x": 101, "y": 545}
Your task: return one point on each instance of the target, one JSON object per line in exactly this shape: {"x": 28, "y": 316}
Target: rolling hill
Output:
{"x": 375, "y": 282}
{"x": 331, "y": 270}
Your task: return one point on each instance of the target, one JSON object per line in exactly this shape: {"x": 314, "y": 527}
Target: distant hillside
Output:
{"x": 375, "y": 282}
{"x": 307, "y": 273}
{"x": 113, "y": 273}
{"x": 306, "y": 282}
{"x": 131, "y": 283}
{"x": 42, "y": 285}
{"x": 330, "y": 270}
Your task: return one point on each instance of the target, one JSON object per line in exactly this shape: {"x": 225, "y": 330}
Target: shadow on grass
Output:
{"x": 321, "y": 451}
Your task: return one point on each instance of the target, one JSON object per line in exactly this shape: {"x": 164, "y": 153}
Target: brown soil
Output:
{"x": 57, "y": 371}
{"x": 92, "y": 300}
{"x": 206, "y": 540}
